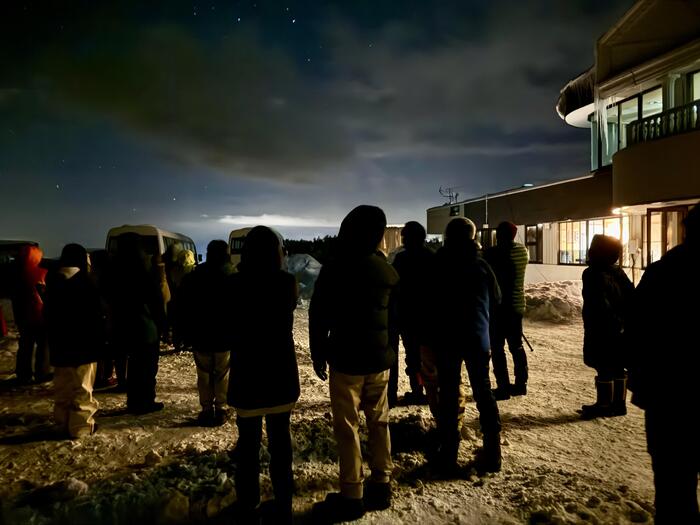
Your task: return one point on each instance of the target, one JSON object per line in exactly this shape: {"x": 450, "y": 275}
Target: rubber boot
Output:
{"x": 603, "y": 405}
{"x": 619, "y": 400}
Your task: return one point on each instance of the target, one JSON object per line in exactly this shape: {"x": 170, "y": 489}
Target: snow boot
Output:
{"x": 502, "y": 393}
{"x": 377, "y": 496}
{"x": 518, "y": 389}
{"x": 336, "y": 508}
{"x": 520, "y": 370}
{"x": 619, "y": 400}
{"x": 488, "y": 458}
{"x": 603, "y": 405}
{"x": 206, "y": 418}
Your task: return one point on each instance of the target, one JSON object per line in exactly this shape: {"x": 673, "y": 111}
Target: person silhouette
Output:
{"x": 349, "y": 325}
{"x": 663, "y": 364}
{"x": 607, "y": 293}
{"x": 264, "y": 378}
{"x": 413, "y": 266}
{"x": 508, "y": 259}
{"x": 464, "y": 291}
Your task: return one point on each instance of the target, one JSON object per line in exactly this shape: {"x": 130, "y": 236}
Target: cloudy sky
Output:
{"x": 202, "y": 117}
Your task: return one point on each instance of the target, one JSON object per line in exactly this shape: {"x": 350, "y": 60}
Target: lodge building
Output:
{"x": 641, "y": 102}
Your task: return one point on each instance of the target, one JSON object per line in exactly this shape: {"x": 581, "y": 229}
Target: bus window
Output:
{"x": 149, "y": 244}
{"x": 237, "y": 244}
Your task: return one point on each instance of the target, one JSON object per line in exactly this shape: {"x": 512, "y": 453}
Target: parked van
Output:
{"x": 236, "y": 239}
{"x": 153, "y": 239}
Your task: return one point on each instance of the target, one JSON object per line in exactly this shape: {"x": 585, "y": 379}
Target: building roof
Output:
{"x": 648, "y": 30}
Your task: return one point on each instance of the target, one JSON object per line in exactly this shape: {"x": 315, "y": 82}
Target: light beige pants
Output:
{"x": 212, "y": 378}
{"x": 74, "y": 405}
{"x": 349, "y": 395}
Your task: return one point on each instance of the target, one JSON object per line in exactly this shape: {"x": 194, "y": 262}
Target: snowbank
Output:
{"x": 557, "y": 301}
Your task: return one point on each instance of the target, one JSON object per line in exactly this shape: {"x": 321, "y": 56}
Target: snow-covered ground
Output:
{"x": 163, "y": 468}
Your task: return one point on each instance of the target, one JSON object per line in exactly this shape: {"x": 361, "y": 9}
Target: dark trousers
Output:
{"x": 672, "y": 442}
{"x": 32, "y": 355}
{"x": 393, "y": 388}
{"x": 411, "y": 346}
{"x": 507, "y": 326}
{"x": 142, "y": 368}
{"x": 248, "y": 448}
{"x": 449, "y": 374}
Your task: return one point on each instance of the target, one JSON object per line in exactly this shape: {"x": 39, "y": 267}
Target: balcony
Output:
{"x": 662, "y": 164}
{"x": 670, "y": 122}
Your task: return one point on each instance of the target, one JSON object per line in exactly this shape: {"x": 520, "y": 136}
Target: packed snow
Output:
{"x": 556, "y": 301}
{"x": 164, "y": 469}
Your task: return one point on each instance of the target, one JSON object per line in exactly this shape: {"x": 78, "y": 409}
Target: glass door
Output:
{"x": 664, "y": 231}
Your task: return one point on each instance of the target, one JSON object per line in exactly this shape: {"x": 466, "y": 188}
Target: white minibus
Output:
{"x": 154, "y": 240}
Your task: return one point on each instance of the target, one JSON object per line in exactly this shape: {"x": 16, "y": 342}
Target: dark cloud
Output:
{"x": 229, "y": 104}
{"x": 363, "y": 101}
{"x": 415, "y": 81}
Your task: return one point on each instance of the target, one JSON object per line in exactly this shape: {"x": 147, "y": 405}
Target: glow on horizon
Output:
{"x": 277, "y": 220}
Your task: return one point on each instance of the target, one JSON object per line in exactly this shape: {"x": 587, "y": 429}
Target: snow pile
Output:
{"x": 306, "y": 269}
{"x": 556, "y": 301}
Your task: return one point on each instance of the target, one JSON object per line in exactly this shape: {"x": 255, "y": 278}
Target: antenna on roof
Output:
{"x": 449, "y": 194}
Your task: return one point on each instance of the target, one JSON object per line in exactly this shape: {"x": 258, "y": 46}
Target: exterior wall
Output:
{"x": 660, "y": 170}
{"x": 438, "y": 218}
{"x": 576, "y": 199}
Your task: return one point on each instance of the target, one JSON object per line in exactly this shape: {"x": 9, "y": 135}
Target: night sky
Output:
{"x": 203, "y": 117}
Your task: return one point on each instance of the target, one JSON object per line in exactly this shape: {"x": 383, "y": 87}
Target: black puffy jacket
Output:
{"x": 264, "y": 371}
{"x": 349, "y": 315}
{"x": 74, "y": 318}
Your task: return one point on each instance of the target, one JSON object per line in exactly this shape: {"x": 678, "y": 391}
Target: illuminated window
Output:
{"x": 573, "y": 242}
{"x": 575, "y": 237}
{"x": 533, "y": 242}
{"x": 695, "y": 85}
{"x": 629, "y": 112}
{"x": 655, "y": 241}
{"x": 652, "y": 103}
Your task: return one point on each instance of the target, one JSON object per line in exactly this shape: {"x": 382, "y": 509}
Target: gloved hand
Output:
{"x": 320, "y": 369}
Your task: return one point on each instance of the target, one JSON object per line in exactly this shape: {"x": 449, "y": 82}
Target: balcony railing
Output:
{"x": 670, "y": 122}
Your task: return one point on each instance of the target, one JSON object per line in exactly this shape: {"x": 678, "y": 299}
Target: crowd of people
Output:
{"x": 459, "y": 305}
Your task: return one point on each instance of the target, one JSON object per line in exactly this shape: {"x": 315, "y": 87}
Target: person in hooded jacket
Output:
{"x": 464, "y": 292}
{"x": 663, "y": 363}
{"x": 76, "y": 336}
{"x": 607, "y": 293}
{"x": 349, "y": 325}
{"x": 203, "y": 323}
{"x": 264, "y": 378}
{"x": 32, "y": 353}
{"x": 138, "y": 318}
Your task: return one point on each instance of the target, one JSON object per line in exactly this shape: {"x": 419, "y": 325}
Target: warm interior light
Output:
{"x": 616, "y": 211}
